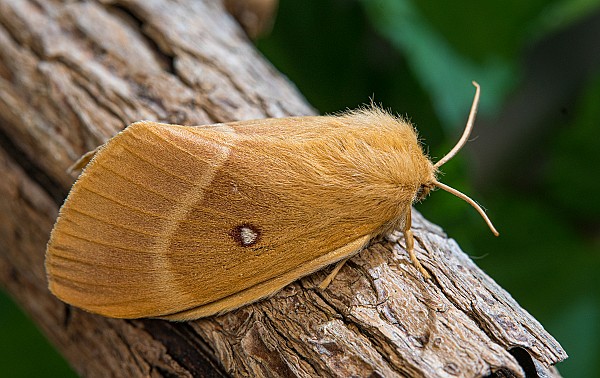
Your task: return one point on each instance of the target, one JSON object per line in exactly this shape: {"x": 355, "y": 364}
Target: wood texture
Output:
{"x": 74, "y": 73}
{"x": 255, "y": 16}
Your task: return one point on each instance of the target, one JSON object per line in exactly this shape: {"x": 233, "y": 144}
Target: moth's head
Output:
{"x": 427, "y": 180}
{"x": 423, "y": 191}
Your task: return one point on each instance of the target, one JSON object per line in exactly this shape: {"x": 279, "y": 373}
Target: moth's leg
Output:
{"x": 332, "y": 275}
{"x": 83, "y": 160}
{"x": 410, "y": 245}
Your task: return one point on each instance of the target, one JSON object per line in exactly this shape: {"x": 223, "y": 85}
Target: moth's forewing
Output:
{"x": 183, "y": 222}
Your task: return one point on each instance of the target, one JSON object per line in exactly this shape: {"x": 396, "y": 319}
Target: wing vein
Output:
{"x": 122, "y": 267}
{"x": 164, "y": 170}
{"x": 194, "y": 156}
{"x": 139, "y": 210}
{"x": 147, "y": 188}
{"x": 103, "y": 243}
{"x": 141, "y": 232}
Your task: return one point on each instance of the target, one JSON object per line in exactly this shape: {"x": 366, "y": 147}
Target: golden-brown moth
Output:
{"x": 183, "y": 222}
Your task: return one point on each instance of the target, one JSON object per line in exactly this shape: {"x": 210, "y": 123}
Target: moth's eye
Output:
{"x": 422, "y": 192}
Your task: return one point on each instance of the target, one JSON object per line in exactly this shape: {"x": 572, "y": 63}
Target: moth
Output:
{"x": 181, "y": 222}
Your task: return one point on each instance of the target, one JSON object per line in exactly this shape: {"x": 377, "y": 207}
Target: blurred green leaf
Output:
{"x": 572, "y": 172}
{"x": 24, "y": 351}
{"x": 560, "y": 14}
{"x": 439, "y": 66}
{"x": 576, "y": 325}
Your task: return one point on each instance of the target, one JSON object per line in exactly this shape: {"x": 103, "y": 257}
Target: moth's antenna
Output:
{"x": 470, "y": 201}
{"x": 467, "y": 131}
{"x": 454, "y": 151}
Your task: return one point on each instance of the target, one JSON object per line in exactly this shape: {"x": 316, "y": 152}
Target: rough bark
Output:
{"x": 72, "y": 74}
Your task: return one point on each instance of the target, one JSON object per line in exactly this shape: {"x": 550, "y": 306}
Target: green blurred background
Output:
{"x": 532, "y": 160}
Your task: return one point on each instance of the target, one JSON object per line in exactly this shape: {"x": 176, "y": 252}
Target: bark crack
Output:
{"x": 30, "y": 167}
